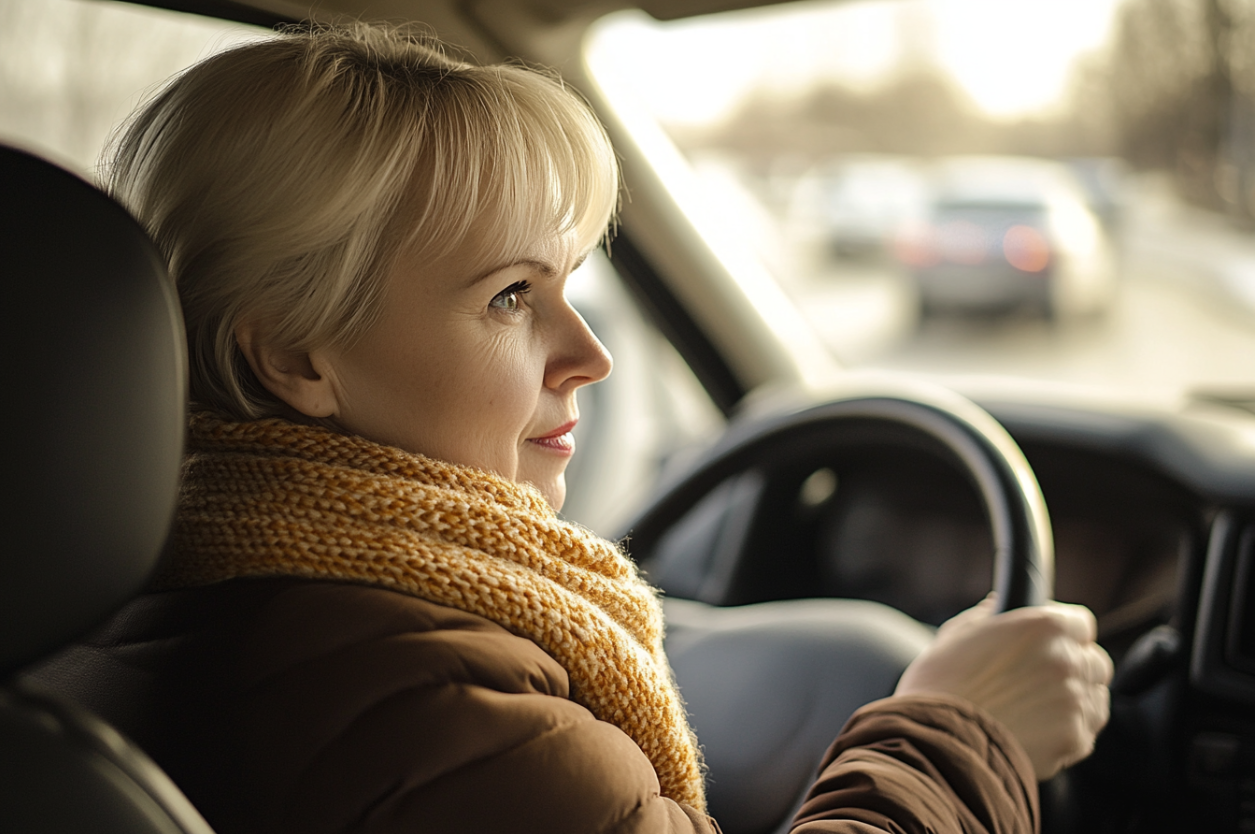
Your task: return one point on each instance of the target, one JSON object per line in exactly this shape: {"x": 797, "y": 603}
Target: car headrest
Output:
{"x": 94, "y": 384}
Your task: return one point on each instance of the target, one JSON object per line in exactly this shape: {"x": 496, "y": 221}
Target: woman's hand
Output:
{"x": 1037, "y": 670}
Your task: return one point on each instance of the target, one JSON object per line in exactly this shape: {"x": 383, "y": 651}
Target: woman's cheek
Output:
{"x": 511, "y": 363}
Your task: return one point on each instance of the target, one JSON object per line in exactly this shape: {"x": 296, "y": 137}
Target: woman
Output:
{"x": 371, "y": 618}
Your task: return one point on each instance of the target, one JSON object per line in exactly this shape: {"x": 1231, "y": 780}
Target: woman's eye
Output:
{"x": 508, "y": 299}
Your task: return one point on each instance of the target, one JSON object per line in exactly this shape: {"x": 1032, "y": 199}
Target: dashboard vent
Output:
{"x": 1223, "y": 658}
{"x": 1240, "y": 633}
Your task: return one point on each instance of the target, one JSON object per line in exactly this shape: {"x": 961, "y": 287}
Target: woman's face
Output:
{"x": 475, "y": 366}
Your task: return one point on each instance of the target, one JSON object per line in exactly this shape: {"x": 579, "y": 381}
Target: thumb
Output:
{"x": 982, "y": 610}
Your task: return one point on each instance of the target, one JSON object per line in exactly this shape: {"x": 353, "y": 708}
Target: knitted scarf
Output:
{"x": 272, "y": 498}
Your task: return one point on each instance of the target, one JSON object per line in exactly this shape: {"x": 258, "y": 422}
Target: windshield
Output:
{"x": 1053, "y": 191}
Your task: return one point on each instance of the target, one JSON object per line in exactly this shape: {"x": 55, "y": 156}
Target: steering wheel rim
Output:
{"x": 1004, "y": 481}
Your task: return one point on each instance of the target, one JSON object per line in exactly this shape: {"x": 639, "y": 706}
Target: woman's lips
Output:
{"x": 559, "y": 440}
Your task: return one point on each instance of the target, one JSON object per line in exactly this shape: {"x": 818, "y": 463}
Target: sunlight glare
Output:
{"x": 697, "y": 71}
{"x": 1012, "y": 58}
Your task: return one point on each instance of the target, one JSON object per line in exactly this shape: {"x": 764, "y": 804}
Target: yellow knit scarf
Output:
{"x": 271, "y": 498}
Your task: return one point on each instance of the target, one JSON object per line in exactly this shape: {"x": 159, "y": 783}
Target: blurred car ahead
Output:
{"x": 1005, "y": 234}
{"x": 862, "y": 202}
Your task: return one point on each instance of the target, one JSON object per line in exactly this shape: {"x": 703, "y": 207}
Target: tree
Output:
{"x": 1178, "y": 73}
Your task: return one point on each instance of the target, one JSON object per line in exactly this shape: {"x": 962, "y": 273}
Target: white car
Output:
{"x": 862, "y": 202}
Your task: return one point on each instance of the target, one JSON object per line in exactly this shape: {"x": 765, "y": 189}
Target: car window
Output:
{"x": 72, "y": 70}
{"x": 978, "y": 190}
{"x": 650, "y": 414}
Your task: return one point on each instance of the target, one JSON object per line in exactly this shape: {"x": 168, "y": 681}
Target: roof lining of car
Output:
{"x": 261, "y": 13}
{"x": 674, "y": 9}
{"x": 236, "y": 10}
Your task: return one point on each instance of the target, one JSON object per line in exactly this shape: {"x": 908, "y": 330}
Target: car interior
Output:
{"x": 806, "y": 482}
{"x": 93, "y": 516}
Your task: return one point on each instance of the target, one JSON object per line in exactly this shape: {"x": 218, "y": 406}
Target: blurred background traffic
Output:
{"x": 1061, "y": 191}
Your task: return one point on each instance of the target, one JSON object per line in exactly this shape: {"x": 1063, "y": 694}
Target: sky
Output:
{"x": 1013, "y": 57}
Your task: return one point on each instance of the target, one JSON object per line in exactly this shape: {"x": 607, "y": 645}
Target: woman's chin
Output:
{"x": 555, "y": 492}
{"x": 546, "y": 471}
{"x": 552, "y": 487}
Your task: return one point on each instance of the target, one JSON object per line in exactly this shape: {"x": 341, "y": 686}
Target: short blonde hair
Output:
{"x": 282, "y": 178}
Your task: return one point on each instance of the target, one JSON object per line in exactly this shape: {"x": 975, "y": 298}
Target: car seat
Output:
{"x": 95, "y": 396}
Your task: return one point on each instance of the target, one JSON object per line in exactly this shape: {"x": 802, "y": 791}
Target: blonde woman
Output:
{"x": 371, "y": 618}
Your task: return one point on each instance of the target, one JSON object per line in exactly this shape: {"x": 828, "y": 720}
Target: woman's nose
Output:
{"x": 578, "y": 358}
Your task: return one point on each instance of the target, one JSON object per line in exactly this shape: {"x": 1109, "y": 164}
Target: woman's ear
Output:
{"x": 292, "y": 376}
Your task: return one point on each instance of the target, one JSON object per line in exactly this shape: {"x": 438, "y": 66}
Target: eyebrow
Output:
{"x": 543, "y": 267}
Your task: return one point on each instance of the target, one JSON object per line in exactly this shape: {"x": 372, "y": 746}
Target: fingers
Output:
{"x": 1075, "y": 621}
{"x": 1036, "y": 670}
{"x": 1078, "y": 620}
{"x": 1087, "y": 662}
{"x": 1081, "y": 679}
{"x": 1099, "y": 667}
{"x": 1092, "y": 710}
{"x": 1096, "y": 706}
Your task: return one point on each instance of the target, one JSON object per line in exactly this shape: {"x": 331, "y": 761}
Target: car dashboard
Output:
{"x": 1153, "y": 513}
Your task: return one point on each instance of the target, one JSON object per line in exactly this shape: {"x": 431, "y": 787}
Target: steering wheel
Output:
{"x": 958, "y": 428}
{"x": 768, "y": 686}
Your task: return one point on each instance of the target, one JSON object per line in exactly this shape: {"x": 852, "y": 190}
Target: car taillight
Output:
{"x": 1026, "y": 249}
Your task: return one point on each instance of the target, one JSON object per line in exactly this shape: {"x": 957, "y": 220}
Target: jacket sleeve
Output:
{"x": 922, "y": 764}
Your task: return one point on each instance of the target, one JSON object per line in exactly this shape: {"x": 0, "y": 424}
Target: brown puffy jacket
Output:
{"x": 283, "y": 705}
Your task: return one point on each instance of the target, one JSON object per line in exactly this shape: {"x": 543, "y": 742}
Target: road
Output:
{"x": 1184, "y": 317}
